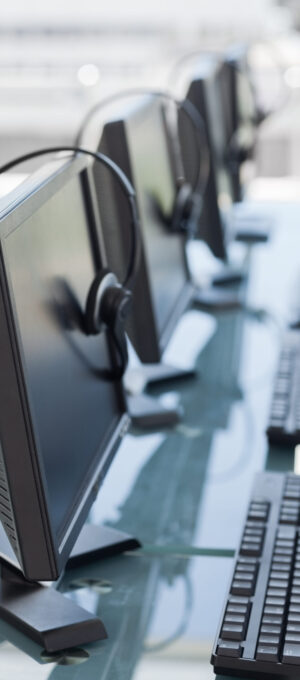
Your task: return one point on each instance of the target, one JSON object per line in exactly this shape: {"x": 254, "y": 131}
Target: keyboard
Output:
{"x": 284, "y": 422}
{"x": 259, "y": 635}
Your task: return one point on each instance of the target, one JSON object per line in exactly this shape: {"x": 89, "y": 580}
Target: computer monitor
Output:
{"x": 133, "y": 132}
{"x": 61, "y": 415}
{"x": 198, "y": 82}
{"x": 238, "y": 102}
{"x": 212, "y": 84}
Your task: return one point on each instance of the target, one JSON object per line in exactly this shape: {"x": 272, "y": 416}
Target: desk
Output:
{"x": 183, "y": 493}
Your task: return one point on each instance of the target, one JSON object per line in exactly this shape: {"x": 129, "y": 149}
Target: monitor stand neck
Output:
{"x": 45, "y": 615}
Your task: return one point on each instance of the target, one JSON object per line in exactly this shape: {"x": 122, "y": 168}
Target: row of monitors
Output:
{"x": 61, "y": 419}
{"x": 135, "y": 133}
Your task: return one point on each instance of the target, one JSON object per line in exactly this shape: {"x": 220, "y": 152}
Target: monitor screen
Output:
{"x": 217, "y": 124}
{"x": 238, "y": 103}
{"x": 74, "y": 411}
{"x": 156, "y": 190}
{"x": 199, "y": 83}
{"x": 237, "y": 89}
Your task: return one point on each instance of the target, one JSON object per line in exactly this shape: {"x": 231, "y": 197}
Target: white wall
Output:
{"x": 165, "y": 12}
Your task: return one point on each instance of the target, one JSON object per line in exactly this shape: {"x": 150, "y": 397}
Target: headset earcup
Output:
{"x": 93, "y": 316}
{"x": 182, "y": 207}
{"x": 117, "y": 304}
{"x": 107, "y": 307}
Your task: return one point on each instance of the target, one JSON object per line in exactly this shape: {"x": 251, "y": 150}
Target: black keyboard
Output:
{"x": 259, "y": 635}
{"x": 284, "y": 423}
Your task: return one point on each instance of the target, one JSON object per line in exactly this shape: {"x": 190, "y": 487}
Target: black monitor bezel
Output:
{"x": 40, "y": 557}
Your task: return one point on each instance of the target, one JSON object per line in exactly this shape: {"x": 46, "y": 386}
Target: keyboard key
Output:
{"x": 282, "y": 559}
{"x": 274, "y": 583}
{"x": 276, "y": 620}
{"x": 241, "y": 576}
{"x": 294, "y": 608}
{"x": 232, "y": 631}
{"x": 234, "y": 618}
{"x": 287, "y": 552}
{"x": 257, "y": 515}
{"x": 242, "y": 587}
{"x": 249, "y": 549}
{"x": 291, "y": 653}
{"x": 247, "y": 560}
{"x": 239, "y": 600}
{"x": 270, "y": 630}
{"x": 293, "y": 618}
{"x": 283, "y": 568}
{"x": 229, "y": 648}
{"x": 289, "y": 519}
{"x": 292, "y": 637}
{"x": 274, "y": 610}
{"x": 284, "y": 543}
{"x": 265, "y": 653}
{"x": 254, "y": 531}
{"x": 272, "y": 640}
{"x": 278, "y": 576}
{"x": 293, "y": 628}
{"x": 279, "y": 601}
{"x": 277, "y": 592}
{"x": 255, "y": 541}
{"x": 246, "y": 568}
{"x": 237, "y": 609}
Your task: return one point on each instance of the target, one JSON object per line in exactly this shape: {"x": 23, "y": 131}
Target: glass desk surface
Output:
{"x": 183, "y": 492}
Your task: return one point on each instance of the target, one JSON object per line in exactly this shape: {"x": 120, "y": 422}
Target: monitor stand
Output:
{"x": 146, "y": 411}
{"x": 214, "y": 299}
{"x": 229, "y": 276}
{"x": 45, "y": 615}
{"x": 251, "y": 228}
{"x": 138, "y": 378}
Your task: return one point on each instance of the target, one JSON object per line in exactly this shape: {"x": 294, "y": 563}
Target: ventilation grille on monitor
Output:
{"x": 6, "y": 512}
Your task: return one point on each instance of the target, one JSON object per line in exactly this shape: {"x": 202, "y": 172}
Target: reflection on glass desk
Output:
{"x": 160, "y": 615}
{"x": 183, "y": 493}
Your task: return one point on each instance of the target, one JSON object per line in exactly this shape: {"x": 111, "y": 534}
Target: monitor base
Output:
{"x": 252, "y": 229}
{"x": 95, "y": 543}
{"x": 147, "y": 412}
{"x": 45, "y": 615}
{"x": 216, "y": 300}
{"x": 137, "y": 379}
{"x": 229, "y": 276}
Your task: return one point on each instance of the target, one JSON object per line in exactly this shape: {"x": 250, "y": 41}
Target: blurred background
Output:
{"x": 58, "y": 58}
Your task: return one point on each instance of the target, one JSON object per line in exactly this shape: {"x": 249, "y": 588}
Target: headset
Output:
{"x": 189, "y": 198}
{"x": 109, "y": 301}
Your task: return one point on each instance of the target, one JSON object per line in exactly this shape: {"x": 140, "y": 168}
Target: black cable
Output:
{"x": 124, "y": 183}
{"x": 190, "y": 111}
